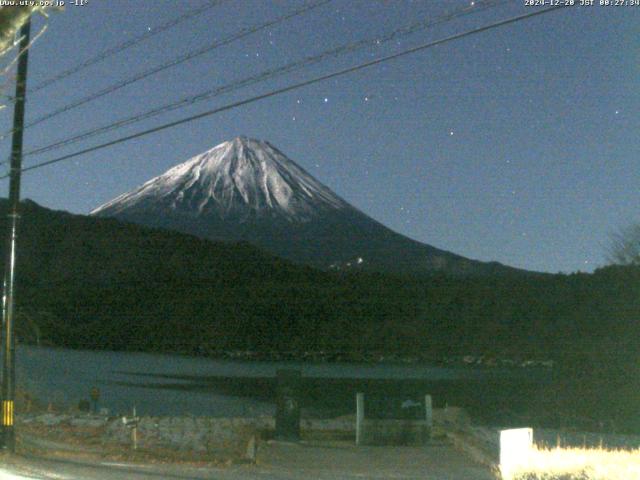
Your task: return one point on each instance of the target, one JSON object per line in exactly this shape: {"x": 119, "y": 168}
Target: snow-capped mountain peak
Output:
{"x": 247, "y": 190}
{"x": 242, "y": 177}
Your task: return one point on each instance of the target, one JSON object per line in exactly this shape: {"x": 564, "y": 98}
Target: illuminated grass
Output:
{"x": 576, "y": 463}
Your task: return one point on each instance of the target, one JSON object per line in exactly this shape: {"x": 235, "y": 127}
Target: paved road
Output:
{"x": 276, "y": 461}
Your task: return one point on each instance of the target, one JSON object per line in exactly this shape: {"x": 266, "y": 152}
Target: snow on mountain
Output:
{"x": 240, "y": 178}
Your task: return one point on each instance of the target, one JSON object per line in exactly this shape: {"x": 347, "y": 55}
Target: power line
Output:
{"x": 125, "y": 45}
{"x": 292, "y": 87}
{"x": 267, "y": 75}
{"x": 172, "y": 63}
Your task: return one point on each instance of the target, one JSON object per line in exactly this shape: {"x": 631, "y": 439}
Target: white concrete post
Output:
{"x": 428, "y": 412}
{"x": 134, "y": 431}
{"x": 515, "y": 449}
{"x": 359, "y": 417}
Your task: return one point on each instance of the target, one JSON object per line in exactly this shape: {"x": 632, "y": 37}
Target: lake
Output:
{"x": 161, "y": 384}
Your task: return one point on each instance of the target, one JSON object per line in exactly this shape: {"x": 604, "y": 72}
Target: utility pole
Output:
{"x": 7, "y": 438}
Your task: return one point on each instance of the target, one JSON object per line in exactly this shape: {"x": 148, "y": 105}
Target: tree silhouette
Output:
{"x": 624, "y": 248}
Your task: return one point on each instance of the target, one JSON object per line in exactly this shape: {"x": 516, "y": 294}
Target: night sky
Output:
{"x": 519, "y": 144}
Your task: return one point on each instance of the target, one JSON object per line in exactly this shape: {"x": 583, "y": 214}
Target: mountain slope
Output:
{"x": 247, "y": 190}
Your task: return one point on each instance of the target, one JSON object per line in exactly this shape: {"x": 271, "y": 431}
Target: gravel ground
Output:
{"x": 276, "y": 461}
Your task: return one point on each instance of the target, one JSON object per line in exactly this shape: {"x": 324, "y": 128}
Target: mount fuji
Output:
{"x": 248, "y": 190}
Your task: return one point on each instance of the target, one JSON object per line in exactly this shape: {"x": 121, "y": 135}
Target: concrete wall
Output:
{"x": 394, "y": 432}
{"x": 203, "y": 434}
{"x": 196, "y": 434}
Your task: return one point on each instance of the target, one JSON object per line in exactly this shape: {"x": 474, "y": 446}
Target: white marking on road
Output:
{"x": 124, "y": 465}
{"x": 4, "y": 475}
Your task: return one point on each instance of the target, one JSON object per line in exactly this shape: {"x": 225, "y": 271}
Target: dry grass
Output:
{"x": 576, "y": 463}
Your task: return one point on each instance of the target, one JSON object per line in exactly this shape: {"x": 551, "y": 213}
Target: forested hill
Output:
{"x": 98, "y": 283}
